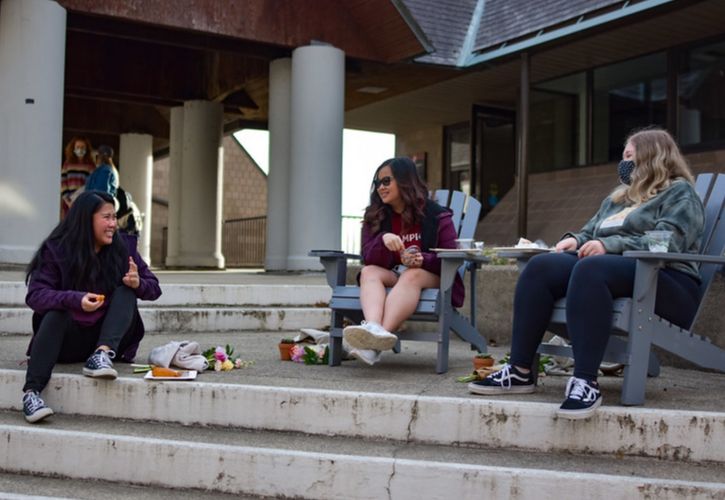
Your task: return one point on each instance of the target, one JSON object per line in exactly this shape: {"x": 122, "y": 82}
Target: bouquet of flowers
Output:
{"x": 220, "y": 359}
{"x": 310, "y": 354}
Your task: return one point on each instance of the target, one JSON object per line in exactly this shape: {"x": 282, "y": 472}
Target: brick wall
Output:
{"x": 429, "y": 141}
{"x": 245, "y": 192}
{"x": 565, "y": 200}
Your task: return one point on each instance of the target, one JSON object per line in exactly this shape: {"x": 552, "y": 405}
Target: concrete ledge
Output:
{"x": 199, "y": 319}
{"x": 13, "y": 293}
{"x": 665, "y": 434}
{"x": 286, "y": 473}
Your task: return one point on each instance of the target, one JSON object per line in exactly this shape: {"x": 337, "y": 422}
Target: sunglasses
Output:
{"x": 385, "y": 181}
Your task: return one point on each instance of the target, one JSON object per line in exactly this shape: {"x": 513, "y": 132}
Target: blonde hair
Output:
{"x": 658, "y": 162}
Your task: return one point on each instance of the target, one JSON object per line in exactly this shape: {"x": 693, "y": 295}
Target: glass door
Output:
{"x": 494, "y": 154}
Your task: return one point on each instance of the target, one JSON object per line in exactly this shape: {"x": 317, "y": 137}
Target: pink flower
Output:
{"x": 237, "y": 363}
{"x": 296, "y": 353}
{"x": 217, "y": 366}
{"x": 220, "y": 354}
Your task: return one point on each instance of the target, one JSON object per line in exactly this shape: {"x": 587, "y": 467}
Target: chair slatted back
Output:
{"x": 465, "y": 210}
{"x": 702, "y": 185}
{"x": 713, "y": 238}
{"x": 440, "y": 196}
{"x": 458, "y": 200}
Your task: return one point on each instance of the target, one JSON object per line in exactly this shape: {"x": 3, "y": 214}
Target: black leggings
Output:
{"x": 59, "y": 339}
{"x": 590, "y": 285}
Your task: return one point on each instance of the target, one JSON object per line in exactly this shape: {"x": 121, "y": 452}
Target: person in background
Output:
{"x": 76, "y": 169}
{"x": 83, "y": 285}
{"x": 588, "y": 268}
{"x": 105, "y": 176}
{"x": 400, "y": 226}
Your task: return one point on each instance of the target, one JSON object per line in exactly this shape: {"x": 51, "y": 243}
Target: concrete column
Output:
{"x": 317, "y": 109}
{"x": 176, "y": 157}
{"x": 32, "y": 66}
{"x": 278, "y": 179}
{"x": 202, "y": 165}
{"x": 136, "y": 159}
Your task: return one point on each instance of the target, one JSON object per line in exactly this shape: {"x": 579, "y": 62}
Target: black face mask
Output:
{"x": 625, "y": 169}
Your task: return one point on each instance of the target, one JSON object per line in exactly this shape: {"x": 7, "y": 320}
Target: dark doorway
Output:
{"x": 493, "y": 154}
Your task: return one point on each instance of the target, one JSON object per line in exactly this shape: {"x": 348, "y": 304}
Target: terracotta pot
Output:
{"x": 284, "y": 353}
{"x": 482, "y": 363}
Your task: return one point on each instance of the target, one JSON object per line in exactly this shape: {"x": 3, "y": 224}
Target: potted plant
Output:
{"x": 482, "y": 361}
{"x": 284, "y": 346}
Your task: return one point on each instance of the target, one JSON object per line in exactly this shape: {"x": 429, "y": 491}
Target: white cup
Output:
{"x": 464, "y": 243}
{"x": 658, "y": 241}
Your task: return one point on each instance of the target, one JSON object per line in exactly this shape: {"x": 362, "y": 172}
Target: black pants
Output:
{"x": 590, "y": 285}
{"x": 61, "y": 340}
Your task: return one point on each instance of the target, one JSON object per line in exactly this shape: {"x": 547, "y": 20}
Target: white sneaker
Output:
{"x": 367, "y": 356}
{"x": 369, "y": 336}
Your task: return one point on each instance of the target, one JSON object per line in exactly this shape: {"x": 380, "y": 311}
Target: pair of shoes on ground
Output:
{"x": 583, "y": 397}
{"x": 367, "y": 340}
{"x": 98, "y": 365}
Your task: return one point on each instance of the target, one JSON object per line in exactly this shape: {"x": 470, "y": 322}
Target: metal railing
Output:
{"x": 244, "y": 241}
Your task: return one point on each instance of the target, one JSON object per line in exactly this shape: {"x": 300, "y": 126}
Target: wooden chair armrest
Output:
{"x": 670, "y": 257}
{"x": 337, "y": 254}
{"x": 335, "y": 264}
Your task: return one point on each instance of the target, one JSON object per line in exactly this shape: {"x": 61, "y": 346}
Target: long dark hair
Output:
{"x": 83, "y": 267}
{"x": 413, "y": 192}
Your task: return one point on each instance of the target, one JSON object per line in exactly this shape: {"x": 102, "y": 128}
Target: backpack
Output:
{"x": 129, "y": 217}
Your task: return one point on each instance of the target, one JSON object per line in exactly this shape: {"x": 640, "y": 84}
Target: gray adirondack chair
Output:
{"x": 434, "y": 305}
{"x": 636, "y": 327}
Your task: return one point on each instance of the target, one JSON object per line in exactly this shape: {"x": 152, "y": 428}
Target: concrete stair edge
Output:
{"x": 664, "y": 434}
{"x": 185, "y": 295}
{"x": 199, "y": 319}
{"x": 279, "y": 472}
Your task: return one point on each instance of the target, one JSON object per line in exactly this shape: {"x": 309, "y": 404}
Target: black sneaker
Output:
{"x": 34, "y": 407}
{"x": 582, "y": 399}
{"x": 99, "y": 365}
{"x": 508, "y": 380}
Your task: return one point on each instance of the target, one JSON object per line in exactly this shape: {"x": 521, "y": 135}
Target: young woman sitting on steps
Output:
{"x": 83, "y": 284}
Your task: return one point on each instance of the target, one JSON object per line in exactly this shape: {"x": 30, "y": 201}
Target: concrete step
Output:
{"x": 234, "y": 461}
{"x": 17, "y": 320}
{"x": 37, "y": 486}
{"x": 199, "y": 308}
{"x": 623, "y": 431}
{"x": 12, "y": 293}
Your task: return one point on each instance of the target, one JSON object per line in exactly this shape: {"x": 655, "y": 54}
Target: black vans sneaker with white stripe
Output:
{"x": 508, "y": 380}
{"x": 582, "y": 399}
{"x": 34, "y": 407}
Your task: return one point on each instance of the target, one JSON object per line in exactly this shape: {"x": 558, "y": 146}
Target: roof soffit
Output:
{"x": 365, "y": 29}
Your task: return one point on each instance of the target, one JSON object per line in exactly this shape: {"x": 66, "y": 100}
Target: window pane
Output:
{"x": 627, "y": 95}
{"x": 701, "y": 97}
{"x": 458, "y": 138}
{"x": 557, "y": 123}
